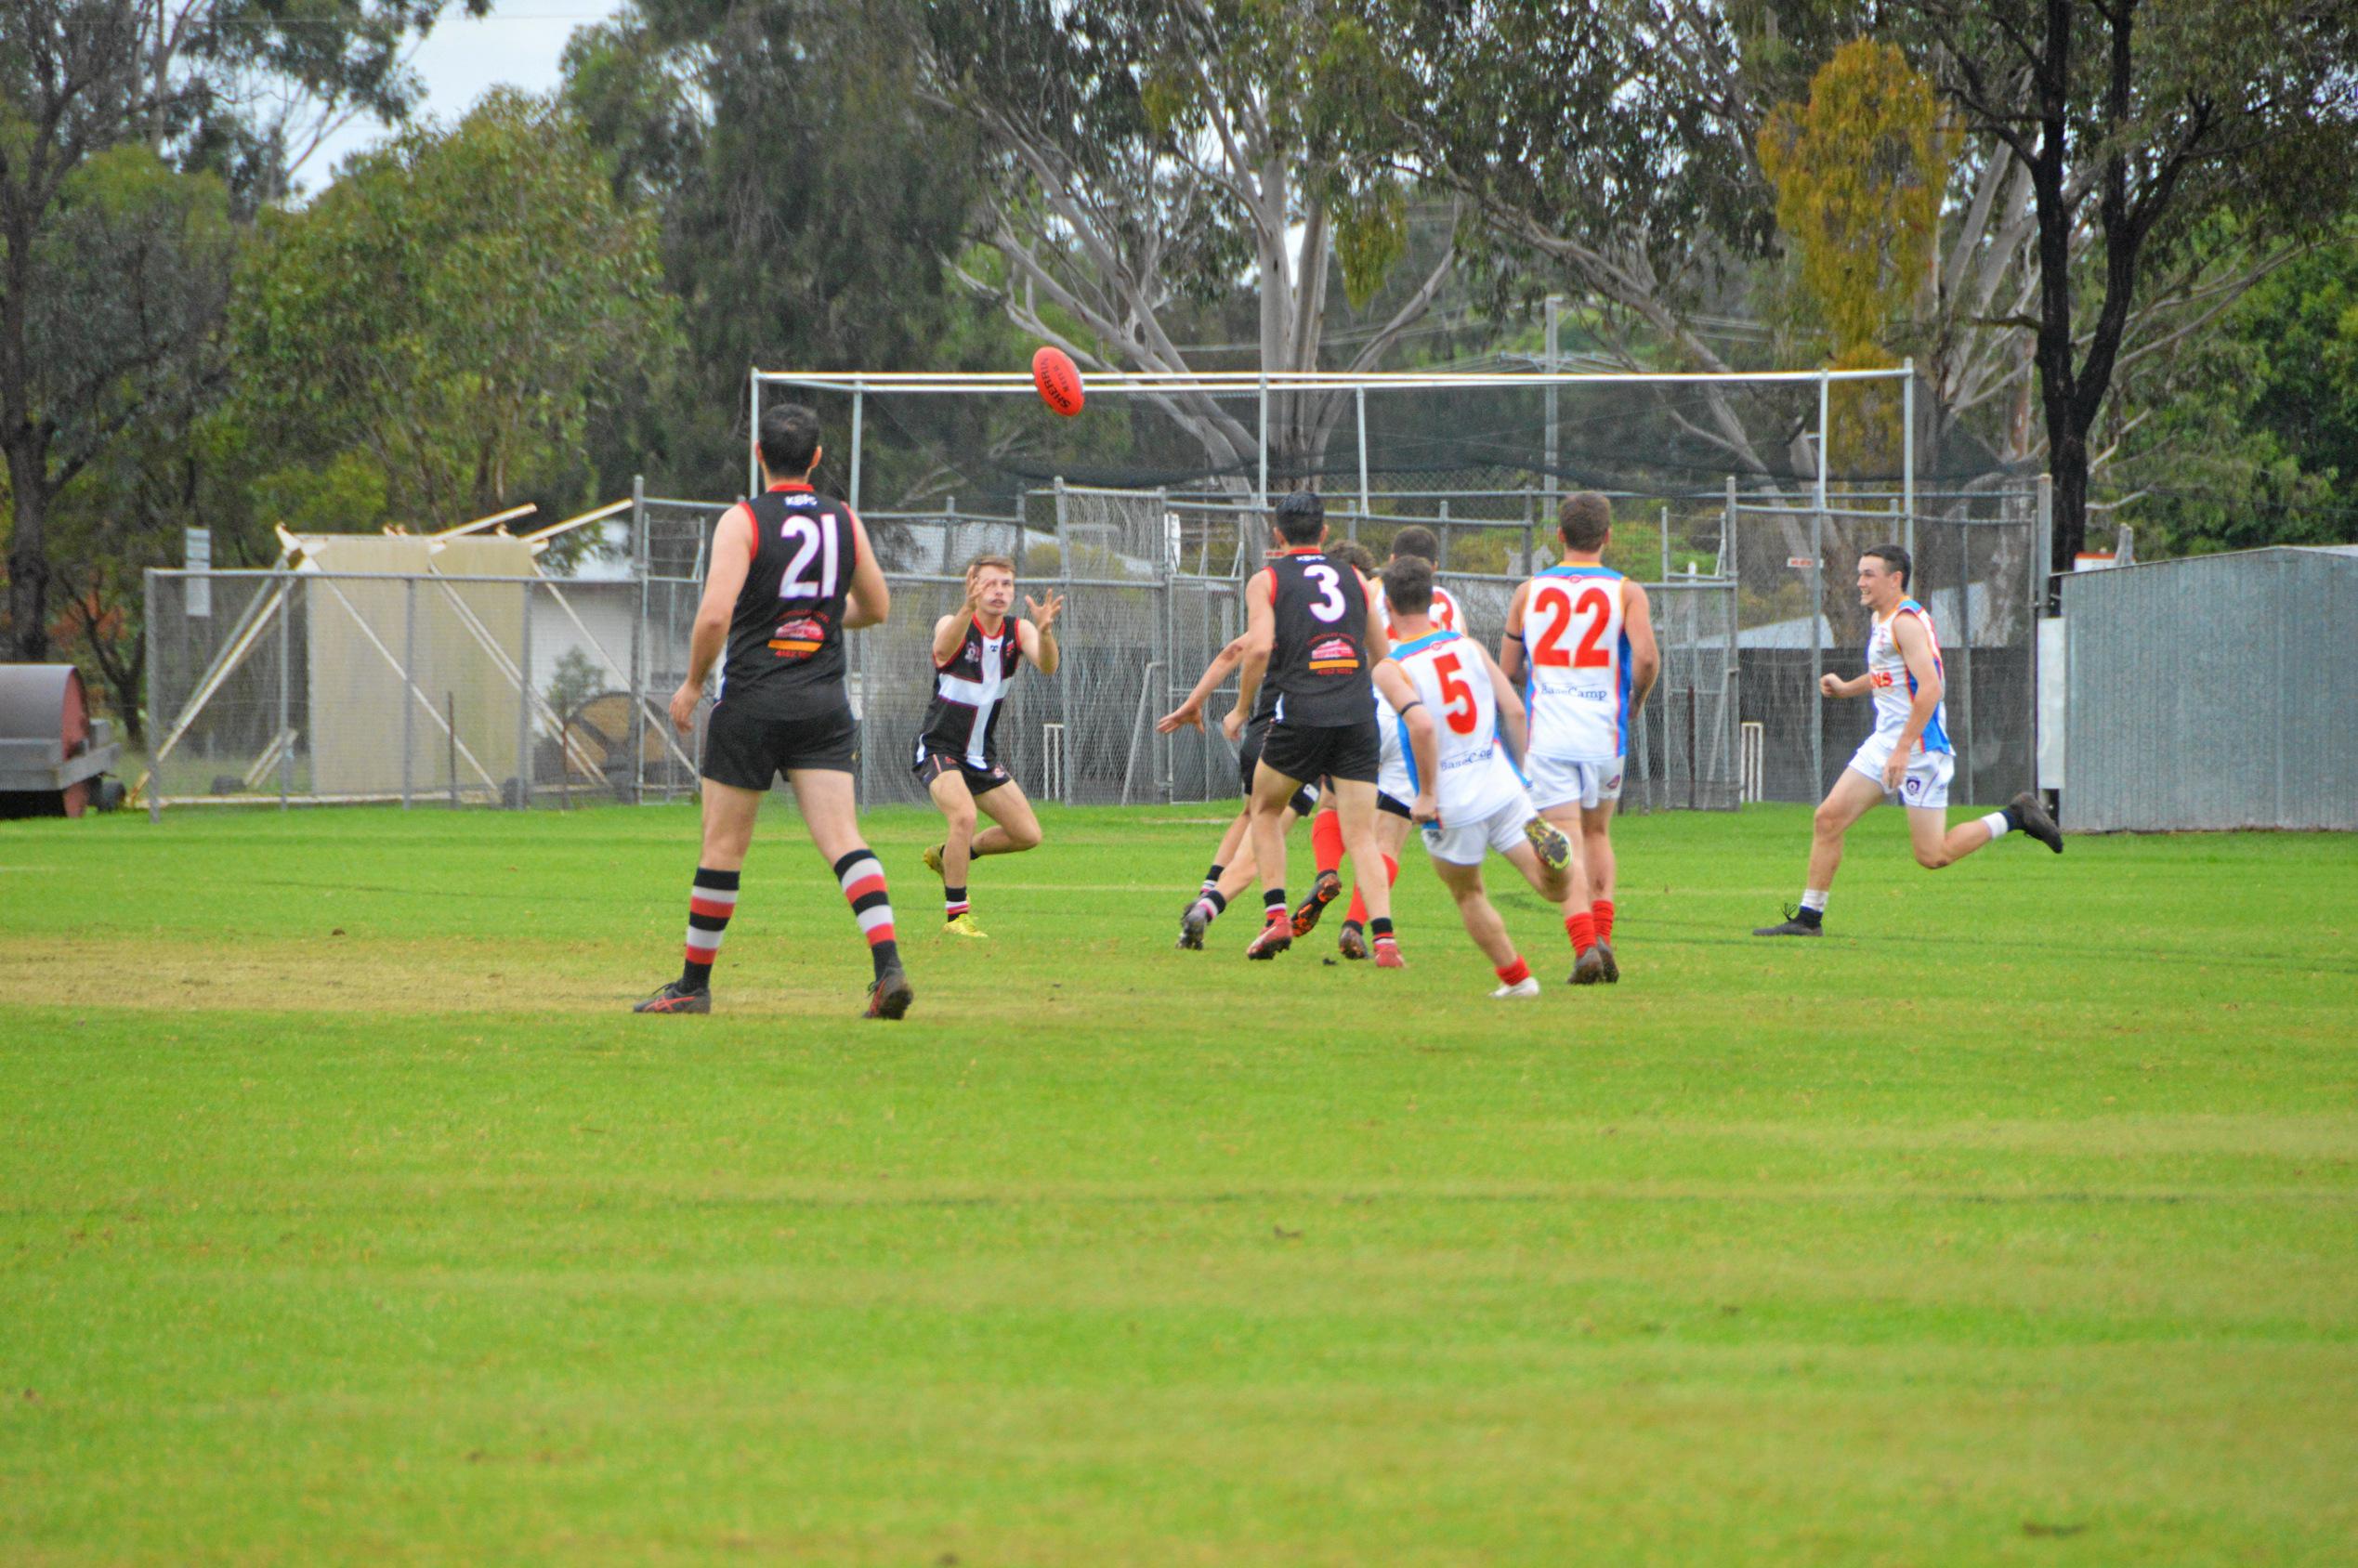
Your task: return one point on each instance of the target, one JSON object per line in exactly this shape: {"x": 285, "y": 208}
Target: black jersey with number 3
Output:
{"x": 785, "y": 655}
{"x": 1318, "y": 663}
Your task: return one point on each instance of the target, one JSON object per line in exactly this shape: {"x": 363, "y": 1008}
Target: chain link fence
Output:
{"x": 526, "y": 691}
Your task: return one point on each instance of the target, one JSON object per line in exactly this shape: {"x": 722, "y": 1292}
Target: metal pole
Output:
{"x": 524, "y": 709}
{"x": 1554, "y": 340}
{"x": 450, "y": 737}
{"x": 1530, "y": 539}
{"x": 1907, "y": 456}
{"x": 1265, "y": 441}
{"x": 1817, "y": 642}
{"x": 2041, "y": 523}
{"x": 408, "y": 682}
{"x": 1666, "y": 542}
{"x": 155, "y": 710}
{"x": 860, "y": 401}
{"x": 1359, "y": 397}
{"x": 1064, "y": 660}
{"x": 286, "y": 660}
{"x": 637, "y": 730}
{"x": 753, "y": 431}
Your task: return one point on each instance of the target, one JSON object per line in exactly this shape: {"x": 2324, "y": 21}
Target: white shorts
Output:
{"x": 1392, "y": 769}
{"x": 1926, "y": 786}
{"x": 1587, "y": 785}
{"x": 1465, "y": 843}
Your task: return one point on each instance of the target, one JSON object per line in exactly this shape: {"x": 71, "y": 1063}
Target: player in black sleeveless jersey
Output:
{"x": 1312, "y": 633}
{"x": 976, "y": 653}
{"x": 791, "y": 570}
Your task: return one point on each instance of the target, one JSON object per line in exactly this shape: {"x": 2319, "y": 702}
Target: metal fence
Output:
{"x": 2212, "y": 693}
{"x": 313, "y": 685}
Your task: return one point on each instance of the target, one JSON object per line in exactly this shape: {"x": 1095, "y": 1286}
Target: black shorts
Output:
{"x": 1398, "y": 808}
{"x": 748, "y": 752}
{"x": 980, "y": 780}
{"x": 1338, "y": 751}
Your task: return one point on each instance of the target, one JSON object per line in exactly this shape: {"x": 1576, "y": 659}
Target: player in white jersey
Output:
{"x": 1450, "y": 700}
{"x": 1909, "y": 758}
{"x": 1581, "y": 637}
{"x": 1392, "y": 779}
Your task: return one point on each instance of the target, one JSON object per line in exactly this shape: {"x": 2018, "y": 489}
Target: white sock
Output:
{"x": 1997, "y": 825}
{"x": 1814, "y": 898}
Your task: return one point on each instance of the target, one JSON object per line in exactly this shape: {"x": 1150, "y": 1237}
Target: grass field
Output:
{"x": 345, "y": 1215}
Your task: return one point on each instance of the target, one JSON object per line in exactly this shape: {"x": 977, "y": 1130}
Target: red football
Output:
{"x": 1058, "y": 379}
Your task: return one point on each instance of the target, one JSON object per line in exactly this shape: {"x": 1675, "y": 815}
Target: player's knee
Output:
{"x": 1827, "y": 821}
{"x": 961, "y": 819}
{"x": 1023, "y": 835}
{"x": 1932, "y": 857}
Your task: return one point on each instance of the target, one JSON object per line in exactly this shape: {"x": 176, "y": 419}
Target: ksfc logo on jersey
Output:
{"x": 1336, "y": 655}
{"x": 799, "y": 636}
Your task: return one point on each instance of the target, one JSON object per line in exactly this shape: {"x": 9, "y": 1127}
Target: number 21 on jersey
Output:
{"x": 1558, "y": 607}
{"x": 809, "y": 537}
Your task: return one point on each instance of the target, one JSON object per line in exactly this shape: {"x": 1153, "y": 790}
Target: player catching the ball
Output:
{"x": 1909, "y": 758}
{"x": 976, "y": 653}
{"x": 792, "y": 571}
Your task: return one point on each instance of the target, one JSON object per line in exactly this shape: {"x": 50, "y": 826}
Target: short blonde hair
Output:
{"x": 979, "y": 562}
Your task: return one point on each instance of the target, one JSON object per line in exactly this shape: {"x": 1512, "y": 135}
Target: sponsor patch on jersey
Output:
{"x": 799, "y": 637}
{"x": 1335, "y": 655}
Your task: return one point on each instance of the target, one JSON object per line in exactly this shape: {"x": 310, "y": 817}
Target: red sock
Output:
{"x": 1517, "y": 973}
{"x": 1326, "y": 840}
{"x": 1601, "y": 911}
{"x": 1357, "y": 914}
{"x": 1583, "y": 929}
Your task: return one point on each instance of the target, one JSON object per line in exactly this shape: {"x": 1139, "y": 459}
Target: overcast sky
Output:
{"x": 519, "y": 42}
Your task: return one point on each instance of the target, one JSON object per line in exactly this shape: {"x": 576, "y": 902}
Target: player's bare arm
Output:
{"x": 732, "y": 556}
{"x": 1261, "y": 636}
{"x": 1646, "y": 654}
{"x": 1191, "y": 711}
{"x": 1510, "y": 656}
{"x": 1915, "y": 646}
{"x": 1036, "y": 633}
{"x": 870, "y": 599}
{"x": 1512, "y": 724}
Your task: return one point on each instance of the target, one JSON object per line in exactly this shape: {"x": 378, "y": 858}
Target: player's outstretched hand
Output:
{"x": 684, "y": 702}
{"x": 1830, "y": 684}
{"x": 1233, "y": 726}
{"x": 1180, "y": 718}
{"x": 1044, "y": 615}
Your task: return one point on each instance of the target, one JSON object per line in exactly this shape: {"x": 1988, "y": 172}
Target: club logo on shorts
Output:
{"x": 1914, "y": 786}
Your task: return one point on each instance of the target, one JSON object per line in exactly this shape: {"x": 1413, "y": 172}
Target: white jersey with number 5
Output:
{"x": 1454, "y": 685}
{"x": 1579, "y": 654}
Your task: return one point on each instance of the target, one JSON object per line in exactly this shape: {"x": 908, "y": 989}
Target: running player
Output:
{"x": 1311, "y": 630}
{"x": 1452, "y": 698}
{"x": 792, "y": 571}
{"x": 976, "y": 652}
{"x": 1909, "y": 758}
{"x": 1580, "y": 638}
{"x": 1232, "y": 868}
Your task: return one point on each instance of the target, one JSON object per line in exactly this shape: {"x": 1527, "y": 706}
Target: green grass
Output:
{"x": 347, "y": 1216}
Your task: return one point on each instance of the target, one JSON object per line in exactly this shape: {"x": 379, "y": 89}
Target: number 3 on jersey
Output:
{"x": 1328, "y": 605}
{"x": 1590, "y": 653}
{"x": 810, "y": 537}
{"x": 1454, "y": 692}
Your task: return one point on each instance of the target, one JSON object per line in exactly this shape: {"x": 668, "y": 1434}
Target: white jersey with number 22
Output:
{"x": 1579, "y": 654}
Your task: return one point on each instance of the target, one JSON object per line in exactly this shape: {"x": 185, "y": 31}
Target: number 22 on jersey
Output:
{"x": 1557, "y": 607}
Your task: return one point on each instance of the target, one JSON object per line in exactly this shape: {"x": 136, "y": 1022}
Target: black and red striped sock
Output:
{"x": 1273, "y": 904}
{"x": 862, "y": 880}
{"x": 953, "y": 902}
{"x": 710, "y": 903}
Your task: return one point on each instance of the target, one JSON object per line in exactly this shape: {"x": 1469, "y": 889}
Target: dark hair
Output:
{"x": 1416, "y": 541}
{"x": 1302, "y": 517}
{"x": 1583, "y": 520}
{"x": 1408, "y": 584}
{"x": 1357, "y": 557}
{"x": 1895, "y": 556}
{"x": 789, "y": 438}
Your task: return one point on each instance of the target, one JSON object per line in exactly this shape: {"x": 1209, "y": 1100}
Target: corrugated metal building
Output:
{"x": 2220, "y": 691}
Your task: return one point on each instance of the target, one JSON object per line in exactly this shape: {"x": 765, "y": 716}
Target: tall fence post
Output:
{"x": 1666, "y": 542}
{"x": 286, "y": 664}
{"x": 1263, "y": 420}
{"x": 1064, "y": 667}
{"x": 408, "y": 682}
{"x": 859, "y": 407}
{"x": 2041, "y": 552}
{"x": 524, "y": 707}
{"x": 1554, "y": 337}
{"x": 1443, "y": 565}
{"x": 1730, "y": 564}
{"x": 642, "y": 558}
{"x": 1907, "y": 457}
{"x": 1818, "y": 628}
{"x": 155, "y": 712}
{"x": 1359, "y": 399}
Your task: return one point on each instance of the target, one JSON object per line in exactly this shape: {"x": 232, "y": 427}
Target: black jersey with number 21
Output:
{"x": 1319, "y": 660}
{"x": 786, "y": 640}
